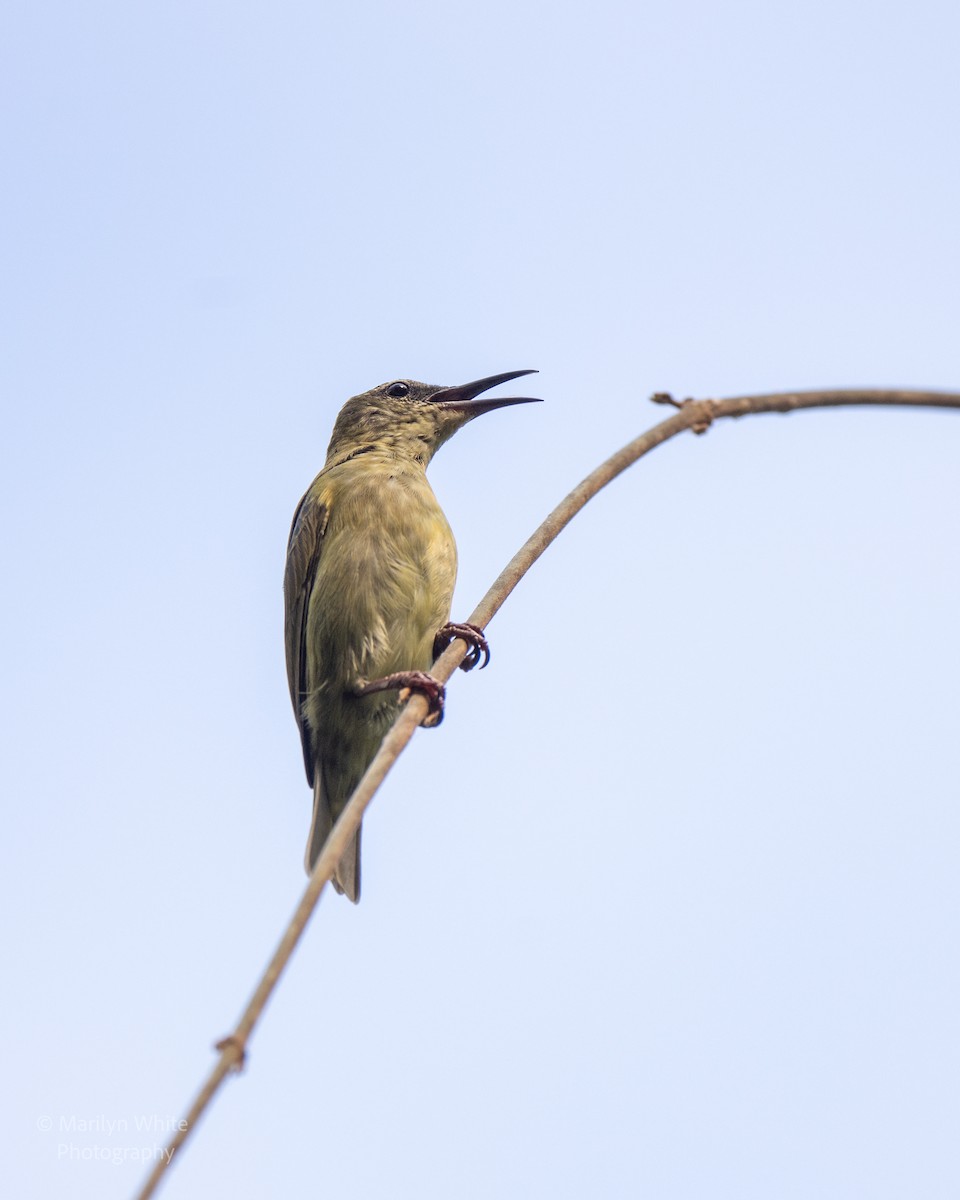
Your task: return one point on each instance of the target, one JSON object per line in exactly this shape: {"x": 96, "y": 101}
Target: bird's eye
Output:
{"x": 398, "y": 389}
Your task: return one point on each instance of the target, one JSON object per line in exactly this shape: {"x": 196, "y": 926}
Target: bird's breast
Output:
{"x": 385, "y": 577}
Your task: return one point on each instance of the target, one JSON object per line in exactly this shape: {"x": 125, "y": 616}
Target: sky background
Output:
{"x": 669, "y": 906}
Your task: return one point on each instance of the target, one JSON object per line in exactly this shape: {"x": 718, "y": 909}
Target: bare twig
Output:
{"x": 695, "y": 415}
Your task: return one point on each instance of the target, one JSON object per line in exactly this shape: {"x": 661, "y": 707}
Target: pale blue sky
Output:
{"x": 715, "y": 951}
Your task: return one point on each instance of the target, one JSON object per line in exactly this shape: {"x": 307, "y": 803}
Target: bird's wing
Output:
{"x": 303, "y": 554}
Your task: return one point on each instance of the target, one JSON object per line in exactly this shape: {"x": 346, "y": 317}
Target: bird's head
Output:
{"x": 412, "y": 420}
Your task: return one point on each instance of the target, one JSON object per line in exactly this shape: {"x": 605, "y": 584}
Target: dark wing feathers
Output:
{"x": 303, "y": 554}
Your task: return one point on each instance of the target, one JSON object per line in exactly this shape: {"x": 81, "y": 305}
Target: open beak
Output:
{"x": 463, "y": 398}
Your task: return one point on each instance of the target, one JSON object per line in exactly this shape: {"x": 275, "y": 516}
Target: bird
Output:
{"x": 368, "y": 586}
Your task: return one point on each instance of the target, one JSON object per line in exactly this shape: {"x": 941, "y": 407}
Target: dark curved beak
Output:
{"x": 463, "y": 398}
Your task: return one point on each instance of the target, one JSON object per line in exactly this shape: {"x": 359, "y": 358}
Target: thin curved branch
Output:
{"x": 695, "y": 415}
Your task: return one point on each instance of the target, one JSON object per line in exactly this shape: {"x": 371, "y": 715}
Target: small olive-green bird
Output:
{"x": 371, "y": 566}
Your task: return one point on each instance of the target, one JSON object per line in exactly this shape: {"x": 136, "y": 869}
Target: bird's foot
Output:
{"x": 472, "y": 635}
{"x": 406, "y": 683}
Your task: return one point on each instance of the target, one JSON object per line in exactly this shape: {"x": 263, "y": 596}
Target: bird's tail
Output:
{"x": 346, "y": 877}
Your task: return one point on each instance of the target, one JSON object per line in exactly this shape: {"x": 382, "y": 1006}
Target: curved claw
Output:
{"x": 406, "y": 682}
{"x": 472, "y": 635}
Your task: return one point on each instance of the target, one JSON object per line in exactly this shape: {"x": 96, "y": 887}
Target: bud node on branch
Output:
{"x": 234, "y": 1049}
